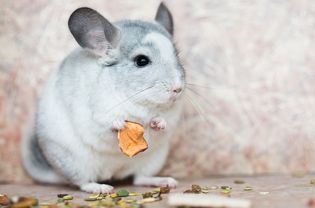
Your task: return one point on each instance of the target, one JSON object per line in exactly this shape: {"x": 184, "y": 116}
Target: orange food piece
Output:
{"x": 131, "y": 140}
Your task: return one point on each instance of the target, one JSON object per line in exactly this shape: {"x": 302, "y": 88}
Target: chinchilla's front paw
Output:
{"x": 158, "y": 123}
{"x": 118, "y": 124}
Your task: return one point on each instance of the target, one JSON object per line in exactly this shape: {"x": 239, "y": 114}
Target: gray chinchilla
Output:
{"x": 123, "y": 71}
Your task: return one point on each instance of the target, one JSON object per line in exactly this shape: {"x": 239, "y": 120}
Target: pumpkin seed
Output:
{"x": 248, "y": 188}
{"x": 67, "y": 197}
{"x": 122, "y": 193}
{"x": 237, "y": 181}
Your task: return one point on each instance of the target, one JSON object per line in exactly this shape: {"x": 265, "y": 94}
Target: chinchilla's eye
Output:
{"x": 141, "y": 60}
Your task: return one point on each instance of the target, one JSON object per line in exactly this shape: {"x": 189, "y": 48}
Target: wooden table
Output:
{"x": 268, "y": 191}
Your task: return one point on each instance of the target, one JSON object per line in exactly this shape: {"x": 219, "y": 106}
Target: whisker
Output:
{"x": 198, "y": 109}
{"x": 201, "y": 96}
{"x": 127, "y": 99}
{"x": 207, "y": 87}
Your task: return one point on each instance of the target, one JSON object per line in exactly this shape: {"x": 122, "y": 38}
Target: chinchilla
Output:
{"x": 123, "y": 71}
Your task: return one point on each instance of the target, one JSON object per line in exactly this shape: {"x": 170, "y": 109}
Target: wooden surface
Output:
{"x": 284, "y": 190}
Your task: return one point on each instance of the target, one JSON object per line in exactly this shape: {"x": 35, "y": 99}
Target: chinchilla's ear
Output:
{"x": 92, "y": 31}
{"x": 164, "y": 17}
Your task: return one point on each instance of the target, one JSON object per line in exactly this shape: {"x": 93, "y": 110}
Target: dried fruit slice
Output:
{"x": 131, "y": 140}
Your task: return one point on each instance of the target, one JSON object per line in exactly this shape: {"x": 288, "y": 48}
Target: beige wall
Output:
{"x": 254, "y": 61}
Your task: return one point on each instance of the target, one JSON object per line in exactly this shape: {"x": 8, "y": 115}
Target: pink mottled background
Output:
{"x": 251, "y": 65}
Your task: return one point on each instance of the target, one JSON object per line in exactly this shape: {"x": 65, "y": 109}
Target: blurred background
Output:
{"x": 250, "y": 97}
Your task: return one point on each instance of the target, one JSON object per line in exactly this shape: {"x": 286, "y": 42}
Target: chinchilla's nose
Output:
{"x": 177, "y": 89}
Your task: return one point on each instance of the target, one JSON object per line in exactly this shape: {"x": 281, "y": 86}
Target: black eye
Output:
{"x": 141, "y": 60}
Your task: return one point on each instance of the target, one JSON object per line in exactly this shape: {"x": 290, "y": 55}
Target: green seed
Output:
{"x": 239, "y": 181}
{"x": 226, "y": 191}
{"x": 67, "y": 197}
{"x": 122, "y": 193}
{"x": 156, "y": 190}
{"x": 134, "y": 194}
{"x": 248, "y": 188}
{"x": 90, "y": 199}
{"x": 226, "y": 187}
{"x": 114, "y": 195}
{"x": 130, "y": 200}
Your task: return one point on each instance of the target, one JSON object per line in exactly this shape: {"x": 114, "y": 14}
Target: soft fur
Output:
{"x": 95, "y": 90}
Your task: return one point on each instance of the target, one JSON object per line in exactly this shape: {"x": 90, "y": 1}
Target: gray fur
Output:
{"x": 135, "y": 32}
{"x": 37, "y": 156}
{"x": 35, "y": 162}
{"x": 91, "y": 30}
{"x": 164, "y": 17}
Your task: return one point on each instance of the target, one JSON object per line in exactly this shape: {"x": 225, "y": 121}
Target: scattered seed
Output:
{"x": 156, "y": 190}
{"x": 123, "y": 198}
{"x": 122, "y": 203}
{"x": 205, "y": 191}
{"x": 90, "y": 199}
{"x": 122, "y": 193}
{"x": 248, "y": 188}
{"x": 130, "y": 200}
{"x": 148, "y": 200}
{"x": 164, "y": 190}
{"x": 226, "y": 187}
{"x": 134, "y": 194}
{"x": 312, "y": 181}
{"x": 147, "y": 195}
{"x": 107, "y": 202}
{"x": 61, "y": 195}
{"x": 226, "y": 191}
{"x": 213, "y": 187}
{"x": 67, "y": 197}
{"x": 237, "y": 181}
{"x": 195, "y": 188}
